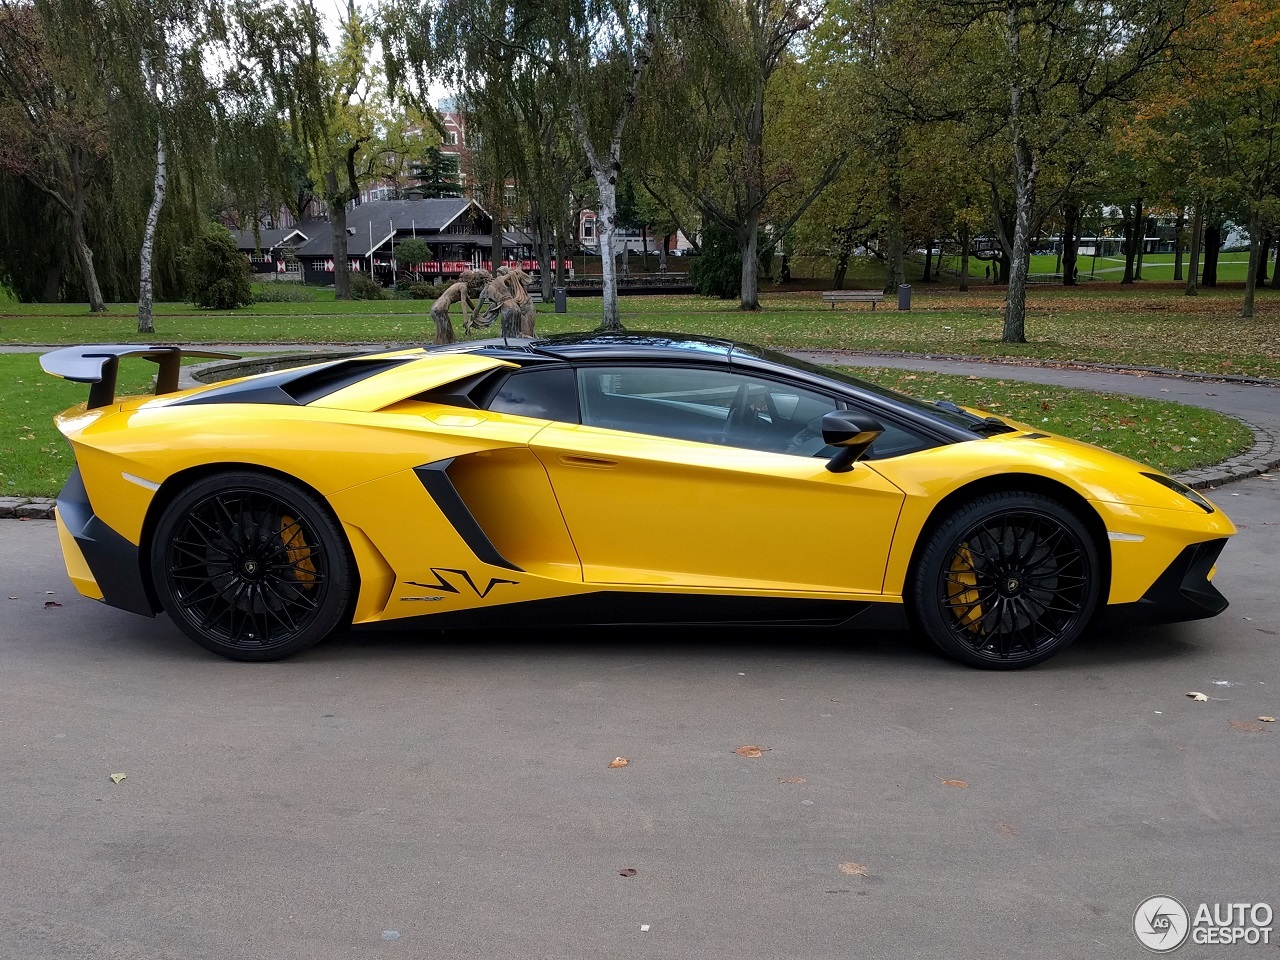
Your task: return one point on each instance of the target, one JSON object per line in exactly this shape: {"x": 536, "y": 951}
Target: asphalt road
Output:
{"x": 400, "y": 794}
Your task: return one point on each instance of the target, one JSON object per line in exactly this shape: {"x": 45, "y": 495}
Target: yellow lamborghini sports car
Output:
{"x": 607, "y": 479}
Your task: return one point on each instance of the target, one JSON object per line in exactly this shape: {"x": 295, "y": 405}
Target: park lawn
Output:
{"x": 1232, "y": 267}
{"x": 35, "y": 460}
{"x": 1171, "y": 436}
{"x": 1146, "y": 324}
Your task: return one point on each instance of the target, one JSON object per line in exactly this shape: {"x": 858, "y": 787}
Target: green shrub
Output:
{"x": 364, "y": 287}
{"x": 411, "y": 252}
{"x": 277, "y": 292}
{"x": 717, "y": 270}
{"x": 424, "y": 291}
{"x": 216, "y": 273}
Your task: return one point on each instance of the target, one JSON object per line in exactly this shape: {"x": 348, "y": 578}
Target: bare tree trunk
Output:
{"x": 894, "y": 271}
{"x": 1026, "y": 171}
{"x": 1070, "y": 243}
{"x": 1260, "y": 271}
{"x": 338, "y": 225}
{"x": 1255, "y": 255}
{"x": 84, "y": 259}
{"x": 79, "y": 245}
{"x": 496, "y": 253}
{"x": 1177, "y": 243}
{"x": 542, "y": 229}
{"x": 749, "y": 247}
{"x": 927, "y": 277}
{"x": 1193, "y": 272}
{"x": 1131, "y": 215}
{"x": 606, "y": 221}
{"x": 964, "y": 257}
{"x": 662, "y": 254}
{"x": 146, "y": 321}
{"x": 1210, "y": 248}
{"x": 1140, "y": 237}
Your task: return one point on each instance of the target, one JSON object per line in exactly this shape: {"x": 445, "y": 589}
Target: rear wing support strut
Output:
{"x": 98, "y": 364}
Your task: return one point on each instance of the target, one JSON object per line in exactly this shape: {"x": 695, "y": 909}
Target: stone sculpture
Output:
{"x": 456, "y": 293}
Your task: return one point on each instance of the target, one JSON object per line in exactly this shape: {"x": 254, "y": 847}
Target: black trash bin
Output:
{"x": 904, "y": 296}
{"x": 562, "y": 300}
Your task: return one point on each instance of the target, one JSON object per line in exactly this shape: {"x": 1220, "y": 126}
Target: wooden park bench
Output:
{"x": 852, "y": 296}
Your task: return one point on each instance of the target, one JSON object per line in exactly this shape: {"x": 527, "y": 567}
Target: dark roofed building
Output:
{"x": 266, "y": 251}
{"x": 456, "y": 230}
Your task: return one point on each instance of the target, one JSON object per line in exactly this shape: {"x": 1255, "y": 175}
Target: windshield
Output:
{"x": 958, "y": 417}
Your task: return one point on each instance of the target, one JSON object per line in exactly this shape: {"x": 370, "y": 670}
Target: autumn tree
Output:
{"x": 1052, "y": 68}
{"x": 55, "y": 111}
{"x": 1223, "y": 116}
{"x": 729, "y": 89}
{"x": 596, "y": 52}
{"x": 329, "y": 99}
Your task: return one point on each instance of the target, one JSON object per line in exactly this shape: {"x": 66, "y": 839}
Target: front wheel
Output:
{"x": 1007, "y": 581}
{"x": 251, "y": 566}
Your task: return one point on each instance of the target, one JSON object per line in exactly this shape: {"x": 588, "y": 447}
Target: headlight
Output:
{"x": 1181, "y": 488}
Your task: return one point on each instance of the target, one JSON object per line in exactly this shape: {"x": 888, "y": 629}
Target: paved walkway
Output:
{"x": 1256, "y": 404}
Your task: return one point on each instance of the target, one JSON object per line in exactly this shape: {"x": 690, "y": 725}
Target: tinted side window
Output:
{"x": 543, "y": 393}
{"x": 896, "y": 441}
{"x": 705, "y": 406}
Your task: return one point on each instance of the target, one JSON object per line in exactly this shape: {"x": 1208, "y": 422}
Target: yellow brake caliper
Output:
{"x": 304, "y": 570}
{"x": 962, "y": 592}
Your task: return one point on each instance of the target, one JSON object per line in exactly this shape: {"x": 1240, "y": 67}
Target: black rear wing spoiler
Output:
{"x": 98, "y": 363}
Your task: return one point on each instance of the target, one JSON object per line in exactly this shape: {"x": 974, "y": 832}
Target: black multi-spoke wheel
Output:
{"x": 250, "y": 566}
{"x": 1007, "y": 581}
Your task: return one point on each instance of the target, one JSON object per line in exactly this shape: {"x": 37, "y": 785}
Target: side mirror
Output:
{"x": 853, "y": 433}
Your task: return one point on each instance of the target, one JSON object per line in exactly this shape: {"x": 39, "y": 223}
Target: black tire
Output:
{"x": 1008, "y": 580}
{"x": 251, "y": 566}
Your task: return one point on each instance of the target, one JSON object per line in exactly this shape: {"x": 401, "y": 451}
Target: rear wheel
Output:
{"x": 1007, "y": 581}
{"x": 251, "y": 566}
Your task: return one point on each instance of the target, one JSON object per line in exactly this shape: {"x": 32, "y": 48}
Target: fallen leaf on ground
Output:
{"x": 955, "y": 783}
{"x": 853, "y": 869}
{"x": 1246, "y": 727}
{"x": 117, "y": 777}
{"x": 619, "y": 762}
{"x": 791, "y": 780}
{"x": 1197, "y": 696}
{"x": 751, "y": 750}
{"x": 51, "y": 603}
{"x": 1008, "y": 829}
{"x": 1267, "y": 719}
{"x": 627, "y": 872}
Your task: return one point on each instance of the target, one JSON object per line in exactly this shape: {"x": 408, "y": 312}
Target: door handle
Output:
{"x": 572, "y": 460}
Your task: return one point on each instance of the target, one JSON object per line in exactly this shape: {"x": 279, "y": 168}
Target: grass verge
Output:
{"x": 1147, "y": 324}
{"x": 1171, "y": 436}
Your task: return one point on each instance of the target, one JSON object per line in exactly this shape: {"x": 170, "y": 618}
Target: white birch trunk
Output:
{"x": 1025, "y": 169}
{"x": 146, "y": 322}
{"x": 606, "y": 222}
